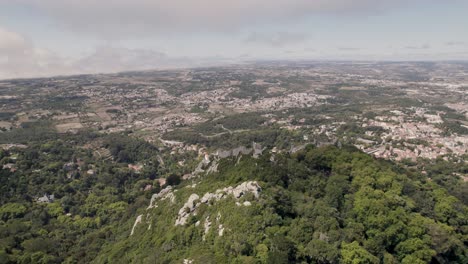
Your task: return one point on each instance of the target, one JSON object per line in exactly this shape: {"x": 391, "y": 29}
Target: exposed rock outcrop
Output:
{"x": 164, "y": 194}
{"x": 213, "y": 159}
{"x": 46, "y": 199}
{"x": 213, "y": 168}
{"x": 207, "y": 226}
{"x": 137, "y": 221}
{"x": 220, "y": 230}
{"x": 187, "y": 209}
{"x": 256, "y": 151}
{"x": 194, "y": 202}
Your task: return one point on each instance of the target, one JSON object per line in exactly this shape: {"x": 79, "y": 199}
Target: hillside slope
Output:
{"x": 318, "y": 205}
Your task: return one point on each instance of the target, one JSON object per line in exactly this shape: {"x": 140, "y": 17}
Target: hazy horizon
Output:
{"x": 233, "y": 64}
{"x": 51, "y": 37}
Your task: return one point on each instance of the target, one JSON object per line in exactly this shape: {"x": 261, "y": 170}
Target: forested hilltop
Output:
{"x": 319, "y": 205}
{"x": 63, "y": 203}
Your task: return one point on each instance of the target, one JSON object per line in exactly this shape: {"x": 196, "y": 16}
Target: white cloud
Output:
{"x": 349, "y": 48}
{"x": 10, "y": 41}
{"x": 420, "y": 47}
{"x": 111, "y": 59}
{"x": 190, "y": 27}
{"x": 108, "y": 59}
{"x": 19, "y": 58}
{"x": 119, "y": 18}
{"x": 456, "y": 43}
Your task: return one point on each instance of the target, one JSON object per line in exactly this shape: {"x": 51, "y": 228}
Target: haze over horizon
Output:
{"x": 52, "y": 37}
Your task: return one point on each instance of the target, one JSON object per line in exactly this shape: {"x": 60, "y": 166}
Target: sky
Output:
{"x": 60, "y": 37}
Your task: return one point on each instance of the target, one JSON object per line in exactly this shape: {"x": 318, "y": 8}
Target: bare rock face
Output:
{"x": 203, "y": 163}
{"x": 213, "y": 159}
{"x": 194, "y": 200}
{"x": 164, "y": 194}
{"x": 246, "y": 187}
{"x": 220, "y": 230}
{"x": 213, "y": 168}
{"x": 237, "y": 192}
{"x": 240, "y": 150}
{"x": 211, "y": 196}
{"x": 257, "y": 150}
{"x": 187, "y": 209}
{"x": 207, "y": 226}
{"x": 137, "y": 221}
{"x": 46, "y": 199}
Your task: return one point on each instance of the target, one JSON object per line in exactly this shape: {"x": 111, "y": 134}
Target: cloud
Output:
{"x": 107, "y": 59}
{"x": 10, "y": 41}
{"x": 348, "y": 48}
{"x": 456, "y": 43}
{"x": 121, "y": 18}
{"x": 278, "y": 39}
{"x": 309, "y": 49}
{"x": 421, "y": 47}
{"x": 114, "y": 59}
{"x": 19, "y": 58}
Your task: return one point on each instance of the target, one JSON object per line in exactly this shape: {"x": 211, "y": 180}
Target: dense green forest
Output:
{"x": 318, "y": 205}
